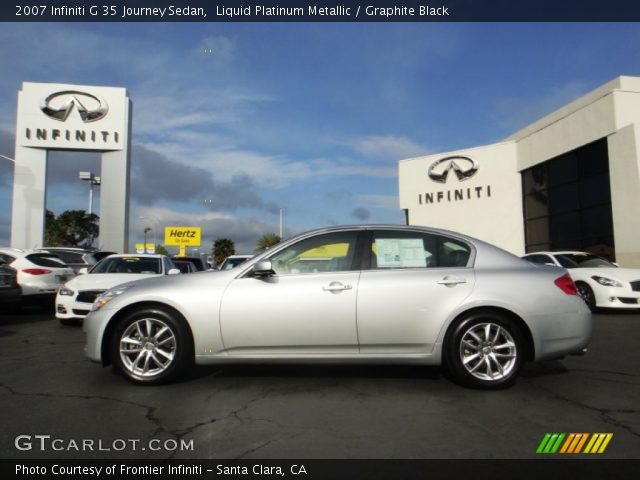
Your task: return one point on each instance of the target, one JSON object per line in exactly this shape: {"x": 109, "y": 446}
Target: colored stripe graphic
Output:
{"x": 575, "y": 442}
{"x": 598, "y": 442}
{"x": 550, "y": 443}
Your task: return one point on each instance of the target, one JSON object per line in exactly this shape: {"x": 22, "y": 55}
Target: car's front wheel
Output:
{"x": 485, "y": 350}
{"x": 151, "y": 346}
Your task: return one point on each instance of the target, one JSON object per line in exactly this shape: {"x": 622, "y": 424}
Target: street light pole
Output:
{"x": 146, "y": 230}
{"x": 280, "y": 224}
{"x": 93, "y": 180}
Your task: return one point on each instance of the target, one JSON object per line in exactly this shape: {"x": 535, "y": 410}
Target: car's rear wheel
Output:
{"x": 586, "y": 292}
{"x": 485, "y": 350}
{"x": 151, "y": 346}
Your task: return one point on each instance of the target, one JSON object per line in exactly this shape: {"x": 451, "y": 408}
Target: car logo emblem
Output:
{"x": 439, "y": 173}
{"x": 60, "y": 104}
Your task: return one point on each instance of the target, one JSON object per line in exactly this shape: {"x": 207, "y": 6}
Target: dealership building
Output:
{"x": 570, "y": 180}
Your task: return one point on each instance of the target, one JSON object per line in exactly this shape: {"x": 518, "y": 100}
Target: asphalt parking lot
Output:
{"x": 56, "y": 404}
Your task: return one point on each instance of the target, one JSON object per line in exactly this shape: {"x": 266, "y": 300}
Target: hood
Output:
{"x": 104, "y": 281}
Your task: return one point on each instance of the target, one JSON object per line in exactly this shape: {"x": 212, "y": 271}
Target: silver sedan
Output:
{"x": 348, "y": 294}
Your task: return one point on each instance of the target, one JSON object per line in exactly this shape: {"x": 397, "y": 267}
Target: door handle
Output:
{"x": 451, "y": 281}
{"x": 336, "y": 287}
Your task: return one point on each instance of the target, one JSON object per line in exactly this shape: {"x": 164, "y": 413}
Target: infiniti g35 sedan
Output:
{"x": 348, "y": 294}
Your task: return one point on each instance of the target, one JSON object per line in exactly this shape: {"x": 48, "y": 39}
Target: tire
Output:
{"x": 151, "y": 346}
{"x": 485, "y": 350}
{"x": 586, "y": 292}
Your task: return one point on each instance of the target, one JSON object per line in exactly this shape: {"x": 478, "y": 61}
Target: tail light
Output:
{"x": 565, "y": 283}
{"x": 36, "y": 271}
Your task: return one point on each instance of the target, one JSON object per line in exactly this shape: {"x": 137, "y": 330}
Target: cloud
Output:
{"x": 157, "y": 178}
{"x": 388, "y": 147}
{"x": 361, "y": 213}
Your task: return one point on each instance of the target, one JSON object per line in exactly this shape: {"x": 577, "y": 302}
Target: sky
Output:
{"x": 233, "y": 123}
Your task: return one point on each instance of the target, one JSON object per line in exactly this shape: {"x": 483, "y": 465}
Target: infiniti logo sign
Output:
{"x": 463, "y": 167}
{"x": 59, "y": 105}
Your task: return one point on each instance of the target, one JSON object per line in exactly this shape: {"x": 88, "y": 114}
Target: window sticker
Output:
{"x": 400, "y": 252}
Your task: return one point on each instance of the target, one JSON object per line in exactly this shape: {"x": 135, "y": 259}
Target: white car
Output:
{"x": 40, "y": 274}
{"x": 601, "y": 284}
{"x": 74, "y": 299}
{"x": 233, "y": 261}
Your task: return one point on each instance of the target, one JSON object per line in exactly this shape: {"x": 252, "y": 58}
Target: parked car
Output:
{"x": 184, "y": 266}
{"x": 197, "y": 262}
{"x": 78, "y": 258}
{"x": 10, "y": 290}
{"x": 74, "y": 299}
{"x": 389, "y": 294}
{"x": 599, "y": 282}
{"x": 40, "y": 274}
{"x": 233, "y": 261}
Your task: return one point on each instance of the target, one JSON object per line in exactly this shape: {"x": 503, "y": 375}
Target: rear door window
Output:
{"x": 401, "y": 249}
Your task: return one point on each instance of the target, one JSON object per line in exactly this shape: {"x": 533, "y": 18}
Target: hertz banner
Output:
{"x": 182, "y": 236}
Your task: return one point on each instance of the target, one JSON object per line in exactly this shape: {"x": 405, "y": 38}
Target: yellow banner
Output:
{"x": 177, "y": 236}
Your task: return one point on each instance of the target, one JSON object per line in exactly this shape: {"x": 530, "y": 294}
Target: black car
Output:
{"x": 196, "y": 261}
{"x": 10, "y": 291}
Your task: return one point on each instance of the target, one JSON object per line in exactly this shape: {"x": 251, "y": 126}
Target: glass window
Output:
{"x": 46, "y": 260}
{"x": 331, "y": 252}
{"x": 563, "y": 169}
{"x": 540, "y": 259}
{"x": 567, "y": 202}
{"x": 128, "y": 265}
{"x": 394, "y": 249}
{"x": 536, "y": 205}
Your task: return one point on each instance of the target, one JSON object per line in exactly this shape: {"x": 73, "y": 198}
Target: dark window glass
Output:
{"x": 563, "y": 169}
{"x": 597, "y": 221}
{"x": 563, "y": 199}
{"x": 567, "y": 202}
{"x": 594, "y": 159}
{"x": 538, "y": 230}
{"x": 45, "y": 260}
{"x": 535, "y": 179}
{"x": 595, "y": 190}
{"x": 565, "y": 230}
{"x": 536, "y": 205}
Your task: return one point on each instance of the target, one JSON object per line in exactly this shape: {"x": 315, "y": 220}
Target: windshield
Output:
{"x": 583, "y": 260}
{"x": 128, "y": 265}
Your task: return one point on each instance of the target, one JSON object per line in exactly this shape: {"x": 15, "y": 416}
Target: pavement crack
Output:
{"x": 606, "y": 414}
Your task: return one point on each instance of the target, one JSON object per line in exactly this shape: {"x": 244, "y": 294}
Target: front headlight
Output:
{"x": 66, "y": 291}
{"x": 105, "y": 297}
{"x": 607, "y": 282}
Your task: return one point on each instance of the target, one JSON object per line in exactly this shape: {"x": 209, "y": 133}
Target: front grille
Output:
{"x": 77, "y": 311}
{"x": 635, "y": 286}
{"x": 88, "y": 296}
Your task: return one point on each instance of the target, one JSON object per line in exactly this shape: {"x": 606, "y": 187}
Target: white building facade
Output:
{"x": 570, "y": 180}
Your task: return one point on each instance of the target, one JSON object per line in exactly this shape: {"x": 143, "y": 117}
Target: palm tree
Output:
{"x": 222, "y": 248}
{"x": 267, "y": 241}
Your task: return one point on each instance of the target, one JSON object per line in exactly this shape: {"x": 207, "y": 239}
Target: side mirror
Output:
{"x": 83, "y": 271}
{"x": 263, "y": 269}
{"x": 173, "y": 271}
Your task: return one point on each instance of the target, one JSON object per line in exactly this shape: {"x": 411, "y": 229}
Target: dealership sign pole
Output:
{"x": 71, "y": 118}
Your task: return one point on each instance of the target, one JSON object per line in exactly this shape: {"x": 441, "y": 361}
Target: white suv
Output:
{"x": 40, "y": 274}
